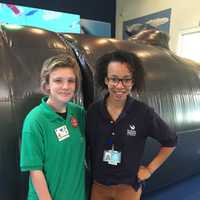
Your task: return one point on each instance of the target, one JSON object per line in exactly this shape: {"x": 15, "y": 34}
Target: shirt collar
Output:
{"x": 127, "y": 108}
{"x": 51, "y": 114}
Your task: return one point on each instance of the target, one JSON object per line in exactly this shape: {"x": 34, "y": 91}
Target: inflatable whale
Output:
{"x": 172, "y": 88}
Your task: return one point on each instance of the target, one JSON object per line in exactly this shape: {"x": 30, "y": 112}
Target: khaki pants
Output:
{"x": 114, "y": 192}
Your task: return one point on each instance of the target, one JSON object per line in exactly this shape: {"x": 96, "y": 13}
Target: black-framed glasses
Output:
{"x": 115, "y": 81}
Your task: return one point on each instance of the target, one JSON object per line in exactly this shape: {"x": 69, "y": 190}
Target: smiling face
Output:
{"x": 119, "y": 81}
{"x": 61, "y": 85}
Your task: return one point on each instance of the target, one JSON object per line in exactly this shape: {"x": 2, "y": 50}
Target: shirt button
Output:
{"x": 113, "y": 133}
{"x": 111, "y": 122}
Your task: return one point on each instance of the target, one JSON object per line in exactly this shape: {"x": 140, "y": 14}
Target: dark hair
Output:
{"x": 133, "y": 62}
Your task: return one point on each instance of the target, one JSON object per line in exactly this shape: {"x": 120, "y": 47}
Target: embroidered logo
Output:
{"x": 131, "y": 131}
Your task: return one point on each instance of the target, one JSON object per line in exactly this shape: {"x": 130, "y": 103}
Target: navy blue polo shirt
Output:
{"x": 128, "y": 135}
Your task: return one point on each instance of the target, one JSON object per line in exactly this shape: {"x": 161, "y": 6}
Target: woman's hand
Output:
{"x": 143, "y": 173}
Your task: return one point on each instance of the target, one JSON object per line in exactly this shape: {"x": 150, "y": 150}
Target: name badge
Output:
{"x": 112, "y": 157}
{"x": 62, "y": 133}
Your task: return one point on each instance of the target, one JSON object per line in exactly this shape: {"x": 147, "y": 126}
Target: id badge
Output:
{"x": 112, "y": 157}
{"x": 62, "y": 133}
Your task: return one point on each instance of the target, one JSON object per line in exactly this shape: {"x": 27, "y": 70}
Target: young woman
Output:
{"x": 117, "y": 128}
{"x": 53, "y": 145}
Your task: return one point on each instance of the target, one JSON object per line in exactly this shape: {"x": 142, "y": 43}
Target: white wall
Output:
{"x": 185, "y": 14}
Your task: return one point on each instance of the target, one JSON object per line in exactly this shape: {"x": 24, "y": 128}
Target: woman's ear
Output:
{"x": 106, "y": 81}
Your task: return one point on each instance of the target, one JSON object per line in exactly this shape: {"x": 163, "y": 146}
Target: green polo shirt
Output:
{"x": 57, "y": 147}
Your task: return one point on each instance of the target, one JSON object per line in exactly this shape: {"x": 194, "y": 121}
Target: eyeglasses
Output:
{"x": 126, "y": 82}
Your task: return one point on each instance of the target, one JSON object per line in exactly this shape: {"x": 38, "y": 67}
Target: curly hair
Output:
{"x": 133, "y": 62}
{"x": 58, "y": 61}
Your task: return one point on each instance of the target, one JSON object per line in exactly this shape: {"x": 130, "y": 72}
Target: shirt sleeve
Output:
{"x": 32, "y": 146}
{"x": 160, "y": 131}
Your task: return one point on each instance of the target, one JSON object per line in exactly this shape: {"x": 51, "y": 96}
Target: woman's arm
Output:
{"x": 40, "y": 185}
{"x": 145, "y": 172}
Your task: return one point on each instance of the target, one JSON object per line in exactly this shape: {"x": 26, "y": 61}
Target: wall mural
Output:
{"x": 47, "y": 19}
{"x": 96, "y": 28}
{"x": 159, "y": 20}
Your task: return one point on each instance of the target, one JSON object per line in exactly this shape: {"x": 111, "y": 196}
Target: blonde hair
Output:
{"x": 58, "y": 61}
